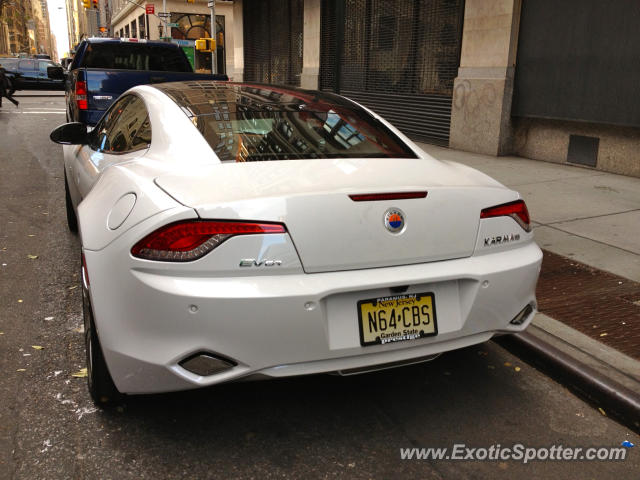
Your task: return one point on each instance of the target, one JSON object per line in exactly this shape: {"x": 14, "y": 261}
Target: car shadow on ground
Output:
{"x": 325, "y": 416}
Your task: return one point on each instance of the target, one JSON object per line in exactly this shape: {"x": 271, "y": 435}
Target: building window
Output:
{"x": 134, "y": 29}
{"x": 126, "y": 31}
{"x": 141, "y": 26}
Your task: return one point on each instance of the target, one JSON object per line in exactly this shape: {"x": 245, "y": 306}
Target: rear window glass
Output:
{"x": 250, "y": 135}
{"x": 257, "y": 123}
{"x": 135, "y": 56}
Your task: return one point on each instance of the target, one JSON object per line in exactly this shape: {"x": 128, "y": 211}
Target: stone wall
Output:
{"x": 618, "y": 152}
{"x": 482, "y": 92}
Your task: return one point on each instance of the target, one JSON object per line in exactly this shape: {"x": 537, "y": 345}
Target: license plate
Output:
{"x": 397, "y": 318}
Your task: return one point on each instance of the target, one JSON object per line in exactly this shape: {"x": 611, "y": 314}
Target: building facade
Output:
{"x": 497, "y": 77}
{"x": 85, "y": 22}
{"x": 24, "y": 28}
{"x": 182, "y": 23}
{"x": 553, "y": 81}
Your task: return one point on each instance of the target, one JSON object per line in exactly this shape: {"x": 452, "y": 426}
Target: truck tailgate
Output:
{"x": 105, "y": 86}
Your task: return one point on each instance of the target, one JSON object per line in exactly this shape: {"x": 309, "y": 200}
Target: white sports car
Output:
{"x": 234, "y": 231}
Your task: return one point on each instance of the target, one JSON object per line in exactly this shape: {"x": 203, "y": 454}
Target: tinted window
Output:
{"x": 135, "y": 56}
{"x": 248, "y": 123}
{"x": 124, "y": 128}
{"x": 249, "y": 135}
{"x": 27, "y": 65}
{"x": 43, "y": 66}
{"x": 8, "y": 63}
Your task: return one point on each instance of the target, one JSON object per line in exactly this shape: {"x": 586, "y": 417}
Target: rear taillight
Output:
{"x": 81, "y": 95}
{"x": 190, "y": 240}
{"x": 516, "y": 210}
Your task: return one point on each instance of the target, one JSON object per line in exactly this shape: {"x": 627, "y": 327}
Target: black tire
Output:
{"x": 72, "y": 219}
{"x": 101, "y": 387}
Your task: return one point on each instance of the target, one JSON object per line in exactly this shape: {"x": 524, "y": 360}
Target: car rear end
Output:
{"x": 257, "y": 268}
{"x": 106, "y": 68}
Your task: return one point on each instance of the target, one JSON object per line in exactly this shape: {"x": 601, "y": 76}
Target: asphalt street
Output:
{"x": 313, "y": 427}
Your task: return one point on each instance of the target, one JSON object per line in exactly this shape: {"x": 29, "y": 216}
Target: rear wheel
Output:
{"x": 72, "y": 219}
{"x": 101, "y": 387}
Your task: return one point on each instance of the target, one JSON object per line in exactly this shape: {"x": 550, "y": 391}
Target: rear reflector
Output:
{"x": 375, "y": 197}
{"x": 516, "y": 210}
{"x": 190, "y": 240}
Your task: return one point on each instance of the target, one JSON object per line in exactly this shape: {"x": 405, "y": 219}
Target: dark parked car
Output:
{"x": 31, "y": 74}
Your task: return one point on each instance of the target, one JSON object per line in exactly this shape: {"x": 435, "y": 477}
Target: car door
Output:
{"x": 29, "y": 74}
{"x": 123, "y": 134}
{"x": 44, "y": 82}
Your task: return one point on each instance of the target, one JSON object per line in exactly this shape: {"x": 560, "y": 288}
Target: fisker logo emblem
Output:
{"x": 394, "y": 220}
{"x": 252, "y": 262}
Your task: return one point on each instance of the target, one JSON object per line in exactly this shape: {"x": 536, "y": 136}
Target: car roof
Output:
{"x": 124, "y": 40}
{"x": 201, "y": 97}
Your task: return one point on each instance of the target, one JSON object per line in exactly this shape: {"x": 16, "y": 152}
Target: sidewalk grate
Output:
{"x": 603, "y": 306}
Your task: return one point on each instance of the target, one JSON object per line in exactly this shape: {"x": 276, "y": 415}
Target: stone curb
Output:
{"x": 612, "y": 391}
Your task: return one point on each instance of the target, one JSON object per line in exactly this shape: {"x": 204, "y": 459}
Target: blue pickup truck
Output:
{"x": 104, "y": 68}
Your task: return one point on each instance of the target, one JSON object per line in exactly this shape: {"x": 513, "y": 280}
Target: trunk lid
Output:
{"x": 332, "y": 232}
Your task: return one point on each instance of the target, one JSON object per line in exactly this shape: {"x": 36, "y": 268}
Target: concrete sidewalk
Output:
{"x": 593, "y": 219}
{"x": 588, "y": 215}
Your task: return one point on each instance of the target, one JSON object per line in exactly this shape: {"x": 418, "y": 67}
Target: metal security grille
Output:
{"x": 579, "y": 60}
{"x": 397, "y": 57}
{"x": 273, "y": 41}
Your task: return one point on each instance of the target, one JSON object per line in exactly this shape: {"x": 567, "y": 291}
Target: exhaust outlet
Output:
{"x": 205, "y": 364}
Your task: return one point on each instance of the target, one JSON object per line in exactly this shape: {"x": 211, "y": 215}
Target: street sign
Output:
{"x": 210, "y": 4}
{"x": 189, "y": 52}
{"x": 164, "y": 14}
{"x": 174, "y": 25}
{"x": 150, "y": 8}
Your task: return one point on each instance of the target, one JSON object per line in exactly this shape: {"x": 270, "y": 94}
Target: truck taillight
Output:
{"x": 516, "y": 210}
{"x": 189, "y": 240}
{"x": 81, "y": 95}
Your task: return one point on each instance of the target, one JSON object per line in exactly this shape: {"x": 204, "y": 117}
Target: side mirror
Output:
{"x": 55, "y": 72}
{"x": 70, "y": 134}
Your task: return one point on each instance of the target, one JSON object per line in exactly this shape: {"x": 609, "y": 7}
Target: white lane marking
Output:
{"x": 55, "y": 113}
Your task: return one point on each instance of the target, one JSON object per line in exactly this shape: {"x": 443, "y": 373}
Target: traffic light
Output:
{"x": 95, "y": 4}
{"x": 86, "y": 3}
{"x": 191, "y": 1}
{"x": 205, "y": 44}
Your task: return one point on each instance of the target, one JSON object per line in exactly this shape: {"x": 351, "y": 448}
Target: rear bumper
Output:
{"x": 295, "y": 324}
